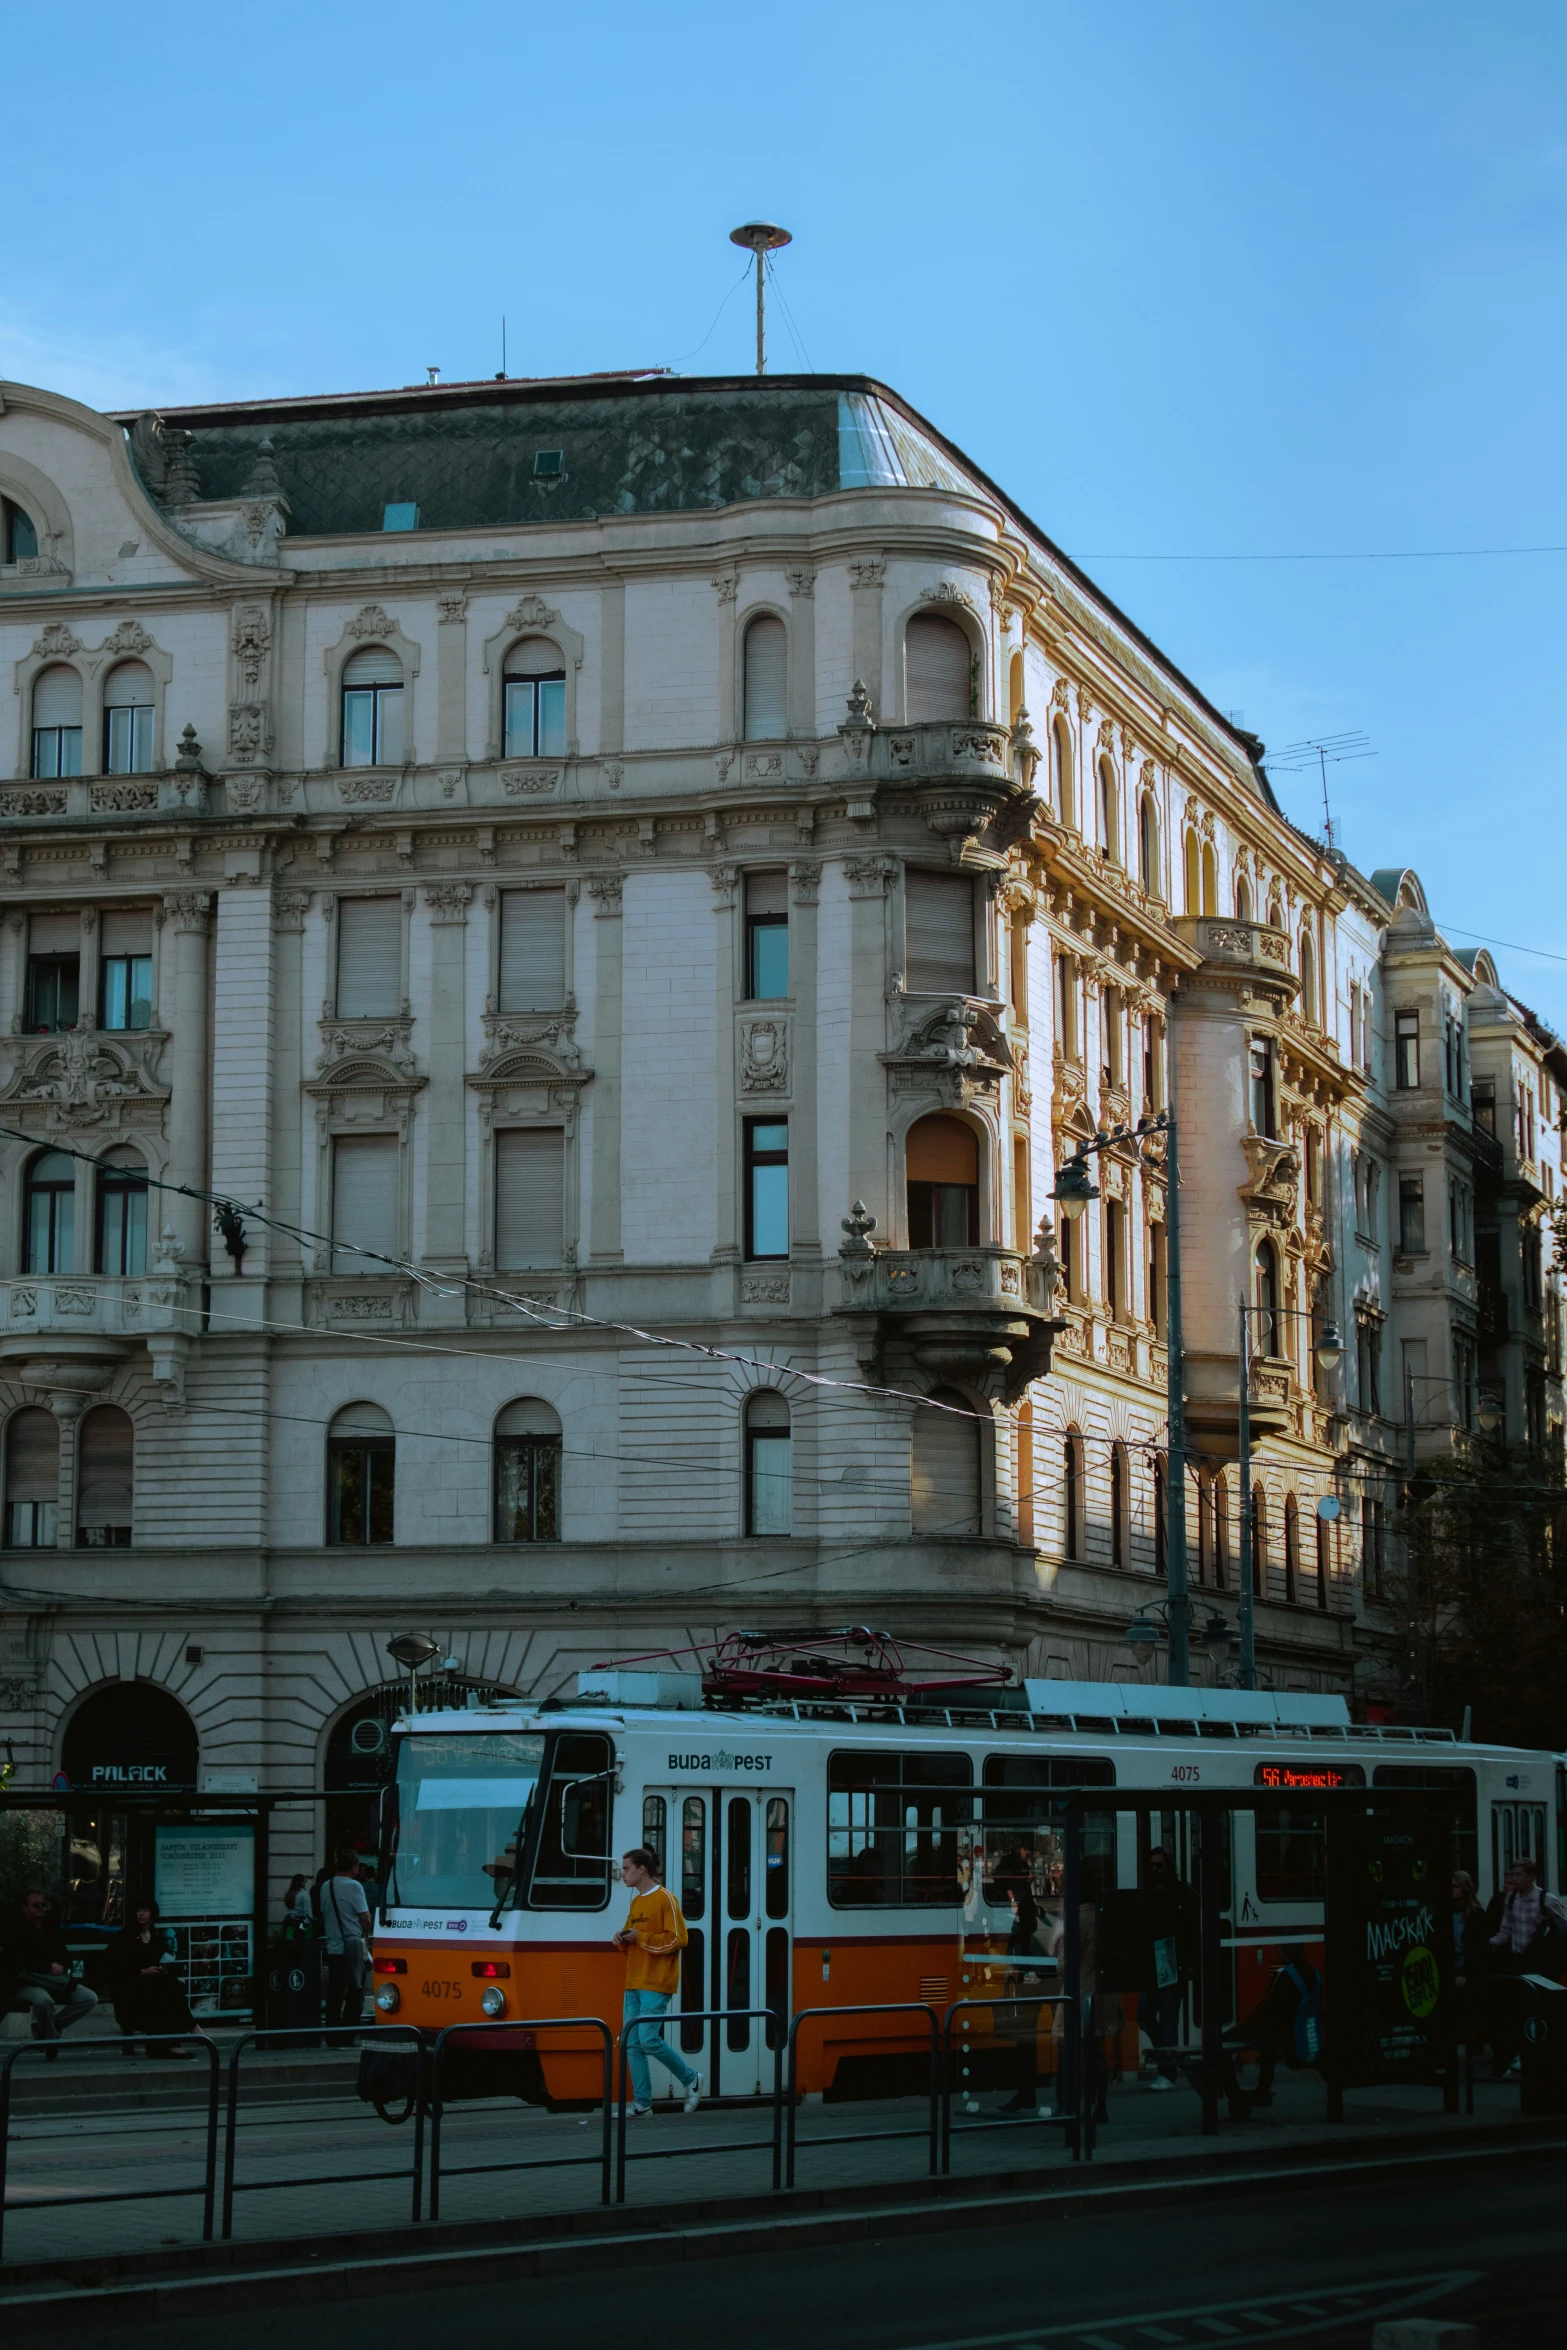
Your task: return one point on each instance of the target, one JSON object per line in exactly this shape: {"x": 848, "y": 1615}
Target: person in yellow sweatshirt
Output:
{"x": 652, "y": 1938}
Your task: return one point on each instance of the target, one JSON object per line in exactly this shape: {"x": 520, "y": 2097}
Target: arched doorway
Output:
{"x": 357, "y": 1768}
{"x": 132, "y": 1738}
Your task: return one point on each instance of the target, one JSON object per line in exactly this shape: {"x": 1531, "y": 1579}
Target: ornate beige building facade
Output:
{"x": 634, "y": 886}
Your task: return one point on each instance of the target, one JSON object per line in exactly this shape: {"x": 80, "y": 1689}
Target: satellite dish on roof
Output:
{"x": 760, "y": 237}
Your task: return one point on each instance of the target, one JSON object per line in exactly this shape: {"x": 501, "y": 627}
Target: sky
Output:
{"x": 1192, "y": 279}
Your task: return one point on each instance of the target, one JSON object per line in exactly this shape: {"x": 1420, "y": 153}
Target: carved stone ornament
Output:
{"x": 123, "y": 799}
{"x": 187, "y": 909}
{"x": 552, "y": 1033}
{"x": 606, "y": 889}
{"x": 947, "y": 591}
{"x": 727, "y": 584}
{"x": 448, "y": 900}
{"x": 761, "y": 765}
{"x": 802, "y": 580}
{"x": 57, "y": 643}
{"x": 453, "y": 610}
{"x": 289, "y": 908}
{"x": 764, "y": 1289}
{"x": 764, "y": 1056}
{"x": 384, "y": 1041}
{"x": 1275, "y": 1177}
{"x": 367, "y": 790}
{"x": 247, "y": 732}
{"x": 130, "y": 637}
{"x": 33, "y": 803}
{"x": 1061, "y": 693}
{"x": 859, "y": 1224}
{"x": 372, "y": 621}
{"x": 522, "y": 782}
{"x": 250, "y": 641}
{"x": 531, "y": 612}
{"x": 867, "y": 571}
{"x": 807, "y": 880}
{"x": 614, "y": 773}
{"x": 81, "y": 1079}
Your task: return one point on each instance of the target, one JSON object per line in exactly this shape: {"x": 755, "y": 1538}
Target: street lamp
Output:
{"x": 1490, "y": 1414}
{"x": 1152, "y": 1624}
{"x": 412, "y": 1650}
{"x": 1329, "y": 1351}
{"x": 1074, "y": 1189}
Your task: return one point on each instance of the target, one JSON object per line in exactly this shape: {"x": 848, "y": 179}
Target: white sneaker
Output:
{"x": 694, "y": 2094}
{"x": 639, "y": 2112}
{"x": 1161, "y": 2081}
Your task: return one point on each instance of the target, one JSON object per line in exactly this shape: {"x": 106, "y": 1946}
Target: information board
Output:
{"x": 1390, "y": 1969}
{"x": 206, "y": 1872}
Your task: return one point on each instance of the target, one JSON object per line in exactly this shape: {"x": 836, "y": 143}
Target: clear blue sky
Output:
{"x": 1190, "y": 277}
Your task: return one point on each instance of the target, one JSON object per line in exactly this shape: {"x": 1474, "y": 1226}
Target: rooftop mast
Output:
{"x": 762, "y": 238}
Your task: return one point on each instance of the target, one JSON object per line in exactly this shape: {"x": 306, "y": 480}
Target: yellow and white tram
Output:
{"x": 832, "y": 1855}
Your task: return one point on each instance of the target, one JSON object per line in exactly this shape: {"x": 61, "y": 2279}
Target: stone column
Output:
{"x": 451, "y": 675}
{"x": 729, "y": 915}
{"x": 289, "y": 908}
{"x": 867, "y": 576}
{"x": 730, "y": 719}
{"x": 806, "y": 1207}
{"x": 802, "y": 651}
{"x": 868, "y": 974}
{"x": 445, "y": 1100}
{"x": 612, "y": 669}
{"x": 183, "y": 1004}
{"x": 242, "y": 1049}
{"x": 67, "y": 1407}
{"x": 608, "y": 1024}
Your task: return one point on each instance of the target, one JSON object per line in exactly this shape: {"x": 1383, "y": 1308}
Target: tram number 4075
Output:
{"x": 441, "y": 1990}
{"x": 1185, "y": 1774}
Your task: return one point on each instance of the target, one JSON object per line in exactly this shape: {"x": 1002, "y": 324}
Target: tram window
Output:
{"x": 1291, "y": 1855}
{"x": 1450, "y": 1778}
{"x": 653, "y": 1814}
{"x": 693, "y": 1983}
{"x": 776, "y": 1995}
{"x": 1057, "y": 1770}
{"x": 892, "y": 1828}
{"x": 571, "y": 1868}
{"x": 739, "y": 1856}
{"x": 737, "y": 1986}
{"x": 777, "y": 1902}
{"x": 459, "y": 1802}
{"x": 693, "y": 1858}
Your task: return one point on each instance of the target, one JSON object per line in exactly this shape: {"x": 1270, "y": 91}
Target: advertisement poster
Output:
{"x": 206, "y": 1872}
{"x": 1391, "y": 1947}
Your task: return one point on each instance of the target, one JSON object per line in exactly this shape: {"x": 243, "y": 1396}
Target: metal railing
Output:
{"x": 932, "y": 2130}
{"x": 529, "y": 2025}
{"x": 1075, "y": 2115}
{"x": 91, "y": 2048}
{"x": 329, "y": 2035}
{"x": 714, "y": 2016}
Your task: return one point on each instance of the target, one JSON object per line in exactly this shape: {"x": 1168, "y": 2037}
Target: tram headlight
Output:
{"x": 493, "y": 2001}
{"x": 389, "y": 1999}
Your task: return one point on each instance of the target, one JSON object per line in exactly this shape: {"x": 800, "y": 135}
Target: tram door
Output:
{"x": 729, "y": 1858}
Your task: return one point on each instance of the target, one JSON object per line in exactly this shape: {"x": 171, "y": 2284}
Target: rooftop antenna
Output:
{"x": 762, "y": 238}
{"x": 1321, "y": 751}
{"x": 501, "y": 378}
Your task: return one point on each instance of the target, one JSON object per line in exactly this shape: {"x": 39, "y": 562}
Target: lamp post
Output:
{"x": 1143, "y": 1632}
{"x": 1072, "y": 1193}
{"x": 411, "y": 1650}
{"x": 1329, "y": 1350}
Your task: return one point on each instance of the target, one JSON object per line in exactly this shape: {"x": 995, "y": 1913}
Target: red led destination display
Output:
{"x": 1289, "y": 1777}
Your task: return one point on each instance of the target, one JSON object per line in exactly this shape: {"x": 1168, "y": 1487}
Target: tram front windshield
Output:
{"x": 461, "y": 1802}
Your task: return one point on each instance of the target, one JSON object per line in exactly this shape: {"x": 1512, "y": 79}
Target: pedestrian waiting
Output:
{"x": 652, "y": 1938}
{"x": 35, "y": 1971}
{"x": 139, "y": 1964}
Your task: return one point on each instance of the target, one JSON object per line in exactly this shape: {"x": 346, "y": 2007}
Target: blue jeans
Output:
{"x": 643, "y": 2037}
{"x": 1159, "y": 2013}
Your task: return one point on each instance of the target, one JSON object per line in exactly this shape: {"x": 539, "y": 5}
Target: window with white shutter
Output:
{"x": 530, "y": 1172}
{"x": 765, "y": 667}
{"x": 364, "y": 1202}
{"x": 533, "y": 950}
{"x": 938, "y": 669}
{"x": 939, "y": 915}
{"x": 946, "y": 1467}
{"x": 369, "y": 958}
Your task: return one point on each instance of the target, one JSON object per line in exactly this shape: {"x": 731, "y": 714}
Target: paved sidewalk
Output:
{"x": 306, "y": 2164}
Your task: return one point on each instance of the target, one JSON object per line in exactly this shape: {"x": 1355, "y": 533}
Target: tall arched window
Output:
{"x": 361, "y": 1475}
{"x": 1061, "y": 795}
{"x": 533, "y": 697}
{"x": 18, "y": 533}
{"x": 105, "y": 1479}
{"x": 127, "y": 719}
{"x": 527, "y": 1472}
{"x": 1291, "y": 1549}
{"x": 945, "y": 1482}
{"x": 766, "y": 680}
{"x": 941, "y": 1159}
{"x": 1109, "y": 812}
{"x": 1221, "y": 1533}
{"x": 1015, "y": 690}
{"x": 1191, "y": 867}
{"x": 938, "y": 669}
{"x": 57, "y": 722}
{"x": 122, "y": 1215}
{"x": 32, "y": 1478}
{"x": 373, "y": 709}
{"x": 1120, "y": 1504}
{"x": 1310, "y": 1009}
{"x": 1269, "y": 1336}
{"x": 1072, "y": 1496}
{"x": 1259, "y": 1543}
{"x": 1242, "y": 898}
{"x": 1210, "y": 878}
{"x": 1148, "y": 872}
{"x": 49, "y": 1214}
{"x": 769, "y": 1478}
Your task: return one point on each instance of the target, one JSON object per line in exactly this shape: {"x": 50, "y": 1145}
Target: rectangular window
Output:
{"x": 1261, "y": 1086}
{"x": 571, "y": 1864}
{"x": 127, "y": 740}
{"x": 1066, "y": 1006}
{"x": 893, "y": 1828}
{"x": 527, "y": 1488}
{"x": 125, "y": 991}
{"x": 1368, "y": 1336}
{"x": 369, "y": 958}
{"x": 533, "y": 950}
{"x": 766, "y": 936}
{"x": 535, "y": 717}
{"x": 1115, "y": 1260}
{"x": 1157, "y": 1260}
{"x": 766, "y": 1188}
{"x": 530, "y": 1171}
{"x": 769, "y": 1483}
{"x": 364, "y": 1203}
{"x": 52, "y": 984}
{"x": 1153, "y": 1062}
{"x": 939, "y": 917}
{"x": 1411, "y": 1215}
{"x": 1406, "y": 1050}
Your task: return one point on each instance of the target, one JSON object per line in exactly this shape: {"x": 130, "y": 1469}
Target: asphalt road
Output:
{"x": 1485, "y": 2240}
